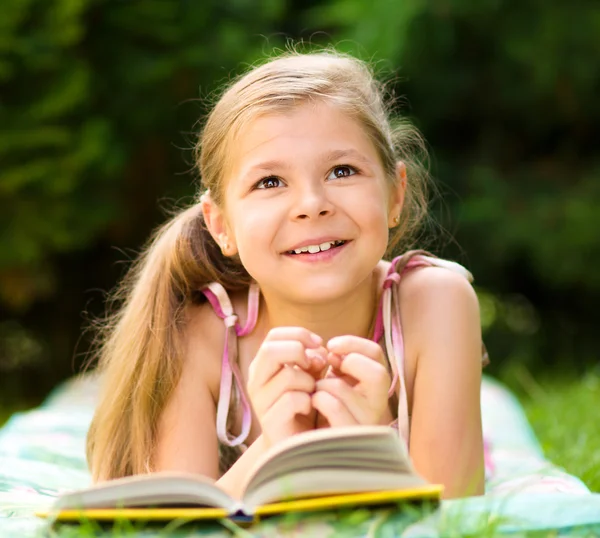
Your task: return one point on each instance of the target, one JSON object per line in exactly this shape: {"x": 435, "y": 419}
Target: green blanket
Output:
{"x": 42, "y": 454}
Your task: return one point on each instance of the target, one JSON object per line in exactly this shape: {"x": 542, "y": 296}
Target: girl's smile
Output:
{"x": 317, "y": 251}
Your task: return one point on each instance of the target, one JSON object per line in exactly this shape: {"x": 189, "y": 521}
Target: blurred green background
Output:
{"x": 99, "y": 108}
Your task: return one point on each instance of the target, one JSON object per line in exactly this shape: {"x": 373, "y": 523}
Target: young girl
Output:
{"x": 267, "y": 308}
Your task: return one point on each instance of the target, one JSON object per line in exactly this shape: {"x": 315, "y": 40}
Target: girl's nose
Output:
{"x": 311, "y": 201}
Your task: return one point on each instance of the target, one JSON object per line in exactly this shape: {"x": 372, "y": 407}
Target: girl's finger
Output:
{"x": 335, "y": 372}
{"x": 318, "y": 362}
{"x": 353, "y": 401}
{"x": 335, "y": 361}
{"x": 271, "y": 358}
{"x": 282, "y": 345}
{"x": 294, "y": 406}
{"x": 372, "y": 377}
{"x": 343, "y": 345}
{"x": 334, "y": 411}
{"x": 299, "y": 334}
{"x": 290, "y": 404}
{"x": 288, "y": 379}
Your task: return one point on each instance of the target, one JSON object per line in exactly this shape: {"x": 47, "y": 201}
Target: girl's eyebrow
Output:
{"x": 332, "y": 155}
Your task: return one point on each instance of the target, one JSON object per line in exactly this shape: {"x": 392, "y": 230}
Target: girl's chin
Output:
{"x": 312, "y": 291}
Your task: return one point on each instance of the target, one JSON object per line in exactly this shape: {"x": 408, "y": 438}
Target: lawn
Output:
{"x": 564, "y": 416}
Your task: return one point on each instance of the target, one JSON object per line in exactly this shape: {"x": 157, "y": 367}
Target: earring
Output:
{"x": 224, "y": 243}
{"x": 397, "y": 219}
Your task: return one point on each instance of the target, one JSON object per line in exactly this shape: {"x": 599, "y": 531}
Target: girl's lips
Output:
{"x": 321, "y": 256}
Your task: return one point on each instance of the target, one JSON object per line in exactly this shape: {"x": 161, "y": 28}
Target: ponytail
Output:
{"x": 139, "y": 346}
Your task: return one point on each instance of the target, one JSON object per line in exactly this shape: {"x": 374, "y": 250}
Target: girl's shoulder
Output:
{"x": 435, "y": 280}
{"x": 432, "y": 297}
{"x": 203, "y": 341}
{"x": 420, "y": 274}
{"x": 436, "y": 296}
{"x": 202, "y": 321}
{"x": 205, "y": 332}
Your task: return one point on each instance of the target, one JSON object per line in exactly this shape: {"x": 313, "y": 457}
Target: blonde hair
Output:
{"x": 139, "y": 351}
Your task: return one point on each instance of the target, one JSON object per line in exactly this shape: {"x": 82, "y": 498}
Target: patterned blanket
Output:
{"x": 42, "y": 455}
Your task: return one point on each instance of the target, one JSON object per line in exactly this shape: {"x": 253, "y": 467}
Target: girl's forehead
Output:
{"x": 306, "y": 131}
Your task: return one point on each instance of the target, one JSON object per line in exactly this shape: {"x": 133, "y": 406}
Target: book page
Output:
{"x": 375, "y": 450}
{"x": 326, "y": 482}
{"x": 154, "y": 489}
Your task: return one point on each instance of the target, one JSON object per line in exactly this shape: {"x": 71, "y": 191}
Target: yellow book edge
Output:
{"x": 428, "y": 492}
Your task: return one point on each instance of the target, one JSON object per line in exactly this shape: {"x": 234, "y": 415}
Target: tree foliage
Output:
{"x": 99, "y": 104}
{"x": 100, "y": 99}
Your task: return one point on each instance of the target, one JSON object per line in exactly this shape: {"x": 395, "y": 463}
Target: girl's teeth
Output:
{"x": 313, "y": 249}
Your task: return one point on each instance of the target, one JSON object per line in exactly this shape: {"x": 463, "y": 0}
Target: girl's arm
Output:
{"x": 441, "y": 322}
{"x": 234, "y": 479}
{"x": 186, "y": 437}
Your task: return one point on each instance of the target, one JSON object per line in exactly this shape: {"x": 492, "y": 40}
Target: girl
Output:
{"x": 267, "y": 309}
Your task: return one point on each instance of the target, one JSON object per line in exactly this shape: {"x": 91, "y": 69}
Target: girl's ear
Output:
{"x": 217, "y": 225}
{"x": 397, "y": 195}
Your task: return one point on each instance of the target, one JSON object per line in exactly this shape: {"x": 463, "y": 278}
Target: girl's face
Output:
{"x": 310, "y": 178}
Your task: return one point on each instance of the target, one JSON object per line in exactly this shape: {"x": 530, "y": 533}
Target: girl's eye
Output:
{"x": 268, "y": 182}
{"x": 343, "y": 171}
{"x": 338, "y": 172}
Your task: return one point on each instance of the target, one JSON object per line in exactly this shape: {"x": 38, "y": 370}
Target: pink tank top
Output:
{"x": 387, "y": 327}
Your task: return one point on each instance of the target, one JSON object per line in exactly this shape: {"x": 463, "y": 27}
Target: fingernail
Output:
{"x": 314, "y": 352}
{"x": 333, "y": 341}
{"x": 317, "y": 357}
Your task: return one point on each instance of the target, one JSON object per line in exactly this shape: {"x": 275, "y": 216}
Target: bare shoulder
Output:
{"x": 437, "y": 285}
{"x": 186, "y": 434}
{"x": 201, "y": 325}
{"x": 203, "y": 341}
{"x": 438, "y": 306}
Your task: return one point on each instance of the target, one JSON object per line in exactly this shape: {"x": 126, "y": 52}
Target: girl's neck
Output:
{"x": 352, "y": 314}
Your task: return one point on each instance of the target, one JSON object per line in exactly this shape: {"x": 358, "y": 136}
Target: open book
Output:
{"x": 317, "y": 470}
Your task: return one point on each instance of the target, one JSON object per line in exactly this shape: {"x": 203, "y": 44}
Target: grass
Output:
{"x": 564, "y": 417}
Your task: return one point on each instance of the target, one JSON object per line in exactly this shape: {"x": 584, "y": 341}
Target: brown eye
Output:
{"x": 343, "y": 171}
{"x": 268, "y": 183}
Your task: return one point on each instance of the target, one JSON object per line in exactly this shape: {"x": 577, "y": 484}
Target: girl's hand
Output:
{"x": 281, "y": 380}
{"x": 355, "y": 389}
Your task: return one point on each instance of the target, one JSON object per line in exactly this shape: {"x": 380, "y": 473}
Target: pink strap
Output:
{"x": 387, "y": 324}
{"x": 230, "y": 373}
{"x": 217, "y": 297}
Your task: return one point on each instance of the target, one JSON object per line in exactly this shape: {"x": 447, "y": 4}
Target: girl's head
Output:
{"x": 302, "y": 110}
{"x": 301, "y": 149}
